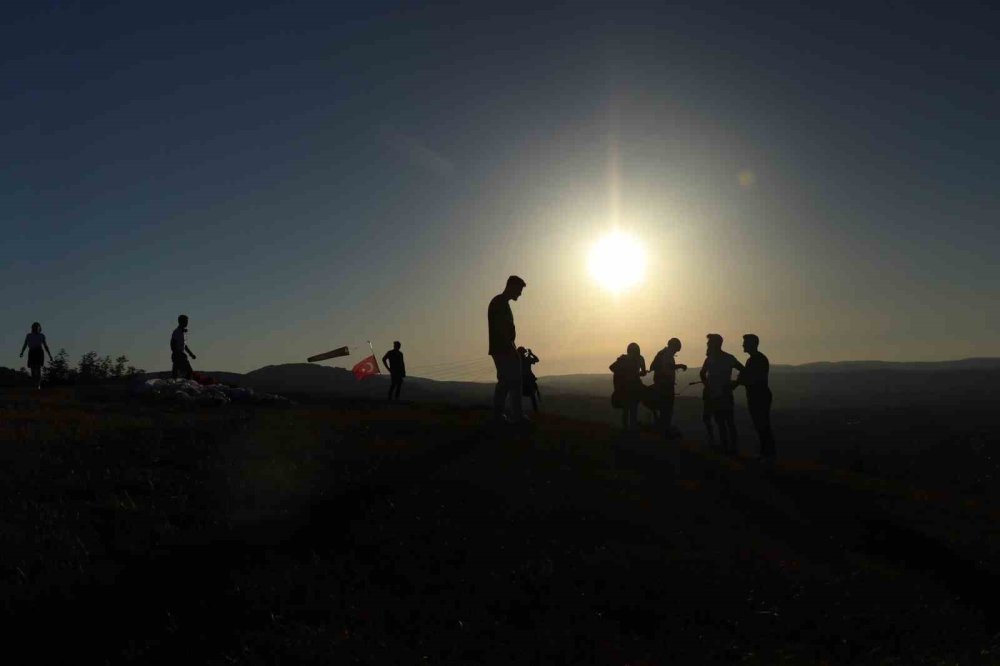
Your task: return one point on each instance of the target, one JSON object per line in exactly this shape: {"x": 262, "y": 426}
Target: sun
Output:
{"x": 617, "y": 262}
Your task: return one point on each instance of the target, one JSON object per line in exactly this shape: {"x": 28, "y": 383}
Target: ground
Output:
{"x": 341, "y": 531}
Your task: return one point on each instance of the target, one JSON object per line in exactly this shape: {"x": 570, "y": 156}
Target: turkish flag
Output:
{"x": 366, "y": 368}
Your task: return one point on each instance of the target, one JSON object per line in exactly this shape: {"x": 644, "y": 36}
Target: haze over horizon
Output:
{"x": 304, "y": 176}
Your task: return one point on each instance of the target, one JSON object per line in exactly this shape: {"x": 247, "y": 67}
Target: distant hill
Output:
{"x": 972, "y": 381}
{"x": 986, "y": 363}
{"x": 813, "y": 385}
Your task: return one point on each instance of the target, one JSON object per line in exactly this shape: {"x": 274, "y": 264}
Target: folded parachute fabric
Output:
{"x": 187, "y": 391}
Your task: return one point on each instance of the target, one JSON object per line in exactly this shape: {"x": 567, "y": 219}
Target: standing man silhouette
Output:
{"x": 754, "y": 378}
{"x": 393, "y": 360}
{"x": 179, "y": 351}
{"x": 716, "y": 372}
{"x": 664, "y": 378}
{"x": 504, "y": 351}
{"x": 37, "y": 347}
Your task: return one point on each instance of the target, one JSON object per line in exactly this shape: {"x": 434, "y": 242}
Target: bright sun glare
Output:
{"x": 617, "y": 262}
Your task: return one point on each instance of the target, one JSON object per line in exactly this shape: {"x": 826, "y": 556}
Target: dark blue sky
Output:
{"x": 296, "y": 176}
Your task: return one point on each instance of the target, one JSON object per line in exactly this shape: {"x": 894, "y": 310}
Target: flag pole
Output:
{"x": 377, "y": 368}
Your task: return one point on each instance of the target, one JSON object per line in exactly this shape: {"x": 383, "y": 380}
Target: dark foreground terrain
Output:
{"x": 355, "y": 532}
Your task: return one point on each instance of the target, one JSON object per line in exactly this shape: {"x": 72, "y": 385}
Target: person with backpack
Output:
{"x": 627, "y": 371}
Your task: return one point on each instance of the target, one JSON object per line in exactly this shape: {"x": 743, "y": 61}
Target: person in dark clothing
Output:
{"x": 179, "y": 351}
{"x": 716, "y": 372}
{"x": 504, "y": 352}
{"x": 754, "y": 378}
{"x": 37, "y": 347}
{"x": 393, "y": 360}
{"x": 627, "y": 370}
{"x": 664, "y": 379}
{"x": 529, "y": 383}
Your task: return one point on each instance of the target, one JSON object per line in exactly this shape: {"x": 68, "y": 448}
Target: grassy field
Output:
{"x": 357, "y": 532}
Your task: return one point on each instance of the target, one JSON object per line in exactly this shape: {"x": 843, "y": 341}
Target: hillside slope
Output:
{"x": 359, "y": 532}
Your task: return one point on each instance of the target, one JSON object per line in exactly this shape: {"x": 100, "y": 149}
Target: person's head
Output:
{"x": 182, "y": 321}
{"x": 750, "y": 343}
{"x": 515, "y": 286}
{"x": 632, "y": 349}
{"x": 36, "y": 328}
{"x": 396, "y": 345}
{"x": 674, "y": 345}
{"x": 714, "y": 342}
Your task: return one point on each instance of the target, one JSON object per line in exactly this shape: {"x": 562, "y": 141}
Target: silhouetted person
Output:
{"x": 716, "y": 372}
{"x": 529, "y": 383}
{"x": 179, "y": 351}
{"x": 393, "y": 360}
{"x": 37, "y": 347}
{"x": 706, "y": 416}
{"x": 754, "y": 378}
{"x": 504, "y": 351}
{"x": 664, "y": 379}
{"x": 627, "y": 372}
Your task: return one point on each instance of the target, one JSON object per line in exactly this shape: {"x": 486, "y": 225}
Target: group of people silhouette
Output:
{"x": 515, "y": 378}
{"x": 513, "y": 366}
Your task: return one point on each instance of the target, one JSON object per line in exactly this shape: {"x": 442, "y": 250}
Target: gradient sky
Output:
{"x": 298, "y": 176}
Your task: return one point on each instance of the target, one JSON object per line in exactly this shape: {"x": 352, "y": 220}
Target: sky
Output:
{"x": 296, "y": 176}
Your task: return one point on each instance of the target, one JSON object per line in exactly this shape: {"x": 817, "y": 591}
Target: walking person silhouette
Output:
{"x": 504, "y": 352}
{"x": 754, "y": 379}
{"x": 716, "y": 372}
{"x": 37, "y": 347}
{"x": 664, "y": 379}
{"x": 393, "y": 359}
{"x": 179, "y": 352}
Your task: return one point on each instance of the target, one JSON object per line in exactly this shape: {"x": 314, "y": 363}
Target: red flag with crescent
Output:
{"x": 366, "y": 368}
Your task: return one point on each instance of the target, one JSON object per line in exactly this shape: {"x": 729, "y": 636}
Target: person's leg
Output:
{"x": 633, "y": 415}
{"x": 534, "y": 403}
{"x": 729, "y": 423}
{"x": 667, "y": 413}
{"x": 399, "y": 387}
{"x": 760, "y": 412}
{"x": 514, "y": 389}
{"x": 500, "y": 392}
{"x": 720, "y": 422}
{"x": 706, "y": 418}
{"x": 36, "y": 375}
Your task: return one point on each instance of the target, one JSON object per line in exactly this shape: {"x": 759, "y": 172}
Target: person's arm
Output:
{"x": 190, "y": 353}
{"x": 642, "y": 367}
{"x": 385, "y": 361}
{"x": 46, "y": 345}
{"x": 704, "y": 370}
{"x": 25, "y": 345}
